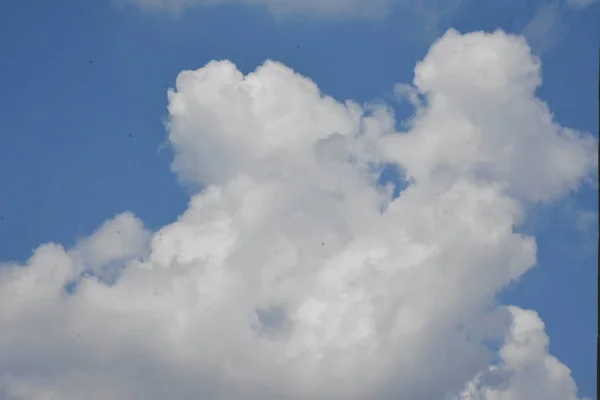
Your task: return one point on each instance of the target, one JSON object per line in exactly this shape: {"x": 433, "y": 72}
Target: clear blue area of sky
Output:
{"x": 83, "y": 101}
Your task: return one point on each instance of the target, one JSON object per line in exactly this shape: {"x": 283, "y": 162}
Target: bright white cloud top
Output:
{"x": 293, "y": 275}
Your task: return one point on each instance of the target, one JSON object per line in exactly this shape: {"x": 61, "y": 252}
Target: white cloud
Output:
{"x": 526, "y": 370}
{"x": 120, "y": 239}
{"x": 292, "y": 275}
{"x": 460, "y": 135}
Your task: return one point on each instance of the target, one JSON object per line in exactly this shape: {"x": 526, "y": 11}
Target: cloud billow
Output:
{"x": 293, "y": 274}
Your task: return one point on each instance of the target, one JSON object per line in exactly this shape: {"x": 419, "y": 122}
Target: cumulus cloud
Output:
{"x": 293, "y": 274}
{"x": 526, "y": 370}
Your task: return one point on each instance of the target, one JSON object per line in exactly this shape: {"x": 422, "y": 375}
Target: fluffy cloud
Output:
{"x": 293, "y": 274}
{"x": 526, "y": 370}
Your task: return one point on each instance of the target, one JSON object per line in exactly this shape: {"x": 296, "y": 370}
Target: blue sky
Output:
{"x": 84, "y": 101}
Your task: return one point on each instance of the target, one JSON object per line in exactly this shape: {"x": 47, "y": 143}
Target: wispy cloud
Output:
{"x": 580, "y": 3}
{"x": 432, "y": 12}
{"x": 552, "y": 22}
